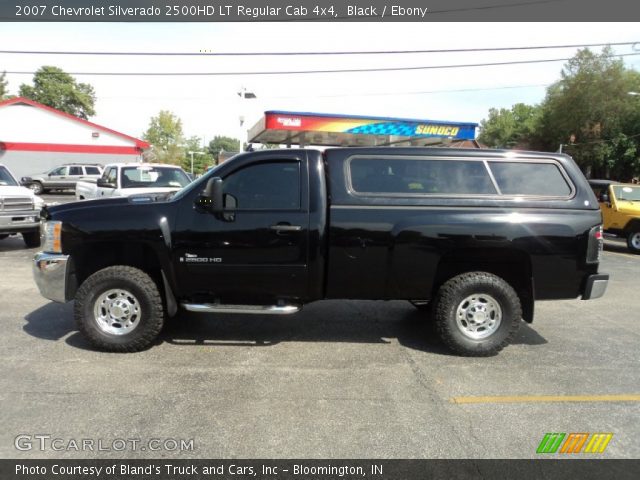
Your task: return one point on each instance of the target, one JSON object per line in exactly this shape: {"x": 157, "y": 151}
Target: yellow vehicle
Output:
{"x": 620, "y": 206}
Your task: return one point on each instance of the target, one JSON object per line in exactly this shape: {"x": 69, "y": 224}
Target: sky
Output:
{"x": 210, "y": 106}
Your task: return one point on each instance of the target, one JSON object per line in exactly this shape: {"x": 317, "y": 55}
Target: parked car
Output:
{"x": 620, "y": 205}
{"x": 19, "y": 210}
{"x": 64, "y": 177}
{"x": 478, "y": 235}
{"x": 125, "y": 179}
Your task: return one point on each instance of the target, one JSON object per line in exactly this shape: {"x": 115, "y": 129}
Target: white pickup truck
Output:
{"x": 19, "y": 210}
{"x": 125, "y": 179}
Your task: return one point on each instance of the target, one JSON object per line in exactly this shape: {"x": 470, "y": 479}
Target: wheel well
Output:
{"x": 96, "y": 256}
{"x": 632, "y": 225}
{"x": 514, "y": 266}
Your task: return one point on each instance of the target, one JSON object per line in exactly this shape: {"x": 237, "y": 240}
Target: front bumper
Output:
{"x": 15, "y": 222}
{"x": 50, "y": 271}
{"x": 595, "y": 286}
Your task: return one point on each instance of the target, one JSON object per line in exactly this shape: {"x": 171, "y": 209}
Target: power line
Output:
{"x": 269, "y": 54}
{"x": 338, "y": 95}
{"x": 307, "y": 72}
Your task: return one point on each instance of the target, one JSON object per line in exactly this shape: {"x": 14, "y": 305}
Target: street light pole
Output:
{"x": 191, "y": 154}
{"x": 243, "y": 96}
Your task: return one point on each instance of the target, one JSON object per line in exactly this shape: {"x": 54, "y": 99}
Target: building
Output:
{"x": 35, "y": 138}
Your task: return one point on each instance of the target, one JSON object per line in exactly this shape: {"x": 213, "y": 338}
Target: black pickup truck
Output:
{"x": 473, "y": 237}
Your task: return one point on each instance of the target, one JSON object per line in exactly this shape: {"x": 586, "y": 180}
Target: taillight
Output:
{"x": 595, "y": 244}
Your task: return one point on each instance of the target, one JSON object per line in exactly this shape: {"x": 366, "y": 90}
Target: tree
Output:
{"x": 166, "y": 139}
{"x": 202, "y": 159}
{"x": 590, "y": 112}
{"x": 3, "y": 86}
{"x": 222, "y": 143}
{"x": 57, "y": 89}
{"x": 509, "y": 128}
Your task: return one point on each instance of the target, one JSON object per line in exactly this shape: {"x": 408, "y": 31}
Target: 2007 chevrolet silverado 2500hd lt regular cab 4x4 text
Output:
{"x": 478, "y": 235}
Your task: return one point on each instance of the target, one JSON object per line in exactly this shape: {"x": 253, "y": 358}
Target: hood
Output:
{"x": 629, "y": 207}
{"x": 39, "y": 174}
{"x": 47, "y": 211}
{"x": 11, "y": 191}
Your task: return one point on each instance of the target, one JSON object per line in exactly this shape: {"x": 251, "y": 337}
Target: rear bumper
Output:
{"x": 50, "y": 274}
{"x": 595, "y": 286}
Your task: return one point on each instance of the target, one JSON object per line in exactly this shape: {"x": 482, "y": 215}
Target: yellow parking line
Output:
{"x": 547, "y": 398}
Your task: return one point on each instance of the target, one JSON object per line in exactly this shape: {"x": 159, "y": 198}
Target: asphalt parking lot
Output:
{"x": 342, "y": 379}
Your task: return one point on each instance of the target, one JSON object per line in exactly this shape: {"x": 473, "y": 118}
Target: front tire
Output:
{"x": 36, "y": 188}
{"x": 31, "y": 239}
{"x": 119, "y": 309}
{"x": 477, "y": 314}
{"x": 633, "y": 242}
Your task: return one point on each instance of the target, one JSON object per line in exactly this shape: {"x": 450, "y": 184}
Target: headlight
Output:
{"x": 38, "y": 203}
{"x": 51, "y": 236}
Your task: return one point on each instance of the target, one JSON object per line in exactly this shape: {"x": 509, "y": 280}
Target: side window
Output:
{"x": 59, "y": 171}
{"x": 420, "y": 176}
{"x": 526, "y": 178}
{"x": 111, "y": 175}
{"x": 75, "y": 171}
{"x": 266, "y": 186}
{"x": 92, "y": 170}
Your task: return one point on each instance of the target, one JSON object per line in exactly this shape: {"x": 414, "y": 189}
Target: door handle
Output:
{"x": 283, "y": 227}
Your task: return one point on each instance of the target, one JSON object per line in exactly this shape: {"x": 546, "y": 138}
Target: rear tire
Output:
{"x": 633, "y": 242}
{"x": 477, "y": 314}
{"x": 31, "y": 239}
{"x": 119, "y": 309}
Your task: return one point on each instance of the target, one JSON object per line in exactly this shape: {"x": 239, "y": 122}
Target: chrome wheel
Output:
{"x": 117, "y": 312}
{"x": 35, "y": 188}
{"x": 634, "y": 240}
{"x": 478, "y": 316}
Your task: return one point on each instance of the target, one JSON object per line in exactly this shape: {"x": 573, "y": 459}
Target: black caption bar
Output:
{"x": 317, "y": 469}
{"x": 317, "y": 10}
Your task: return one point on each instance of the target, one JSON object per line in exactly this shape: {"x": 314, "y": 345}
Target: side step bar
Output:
{"x": 256, "y": 309}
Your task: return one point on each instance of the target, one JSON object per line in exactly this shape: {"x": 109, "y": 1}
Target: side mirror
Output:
{"x": 102, "y": 182}
{"x": 211, "y": 198}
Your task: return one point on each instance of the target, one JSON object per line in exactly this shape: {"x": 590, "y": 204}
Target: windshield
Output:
{"x": 6, "y": 178}
{"x": 153, "y": 177}
{"x": 627, "y": 192}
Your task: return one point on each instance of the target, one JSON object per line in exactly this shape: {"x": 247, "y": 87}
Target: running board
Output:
{"x": 256, "y": 309}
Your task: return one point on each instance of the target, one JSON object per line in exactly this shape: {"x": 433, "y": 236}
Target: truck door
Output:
{"x": 111, "y": 176}
{"x": 257, "y": 253}
{"x": 75, "y": 174}
{"x": 57, "y": 178}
